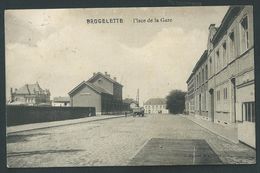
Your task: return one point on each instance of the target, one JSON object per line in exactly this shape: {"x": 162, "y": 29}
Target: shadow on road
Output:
{"x": 27, "y": 153}
{"x": 21, "y": 138}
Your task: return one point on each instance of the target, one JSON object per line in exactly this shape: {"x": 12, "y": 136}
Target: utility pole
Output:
{"x": 137, "y": 97}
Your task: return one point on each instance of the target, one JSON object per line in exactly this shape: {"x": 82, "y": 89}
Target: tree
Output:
{"x": 176, "y": 101}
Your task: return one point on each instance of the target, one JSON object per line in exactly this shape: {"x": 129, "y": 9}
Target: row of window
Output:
{"x": 222, "y": 54}
{"x": 29, "y": 100}
{"x": 225, "y": 94}
{"x": 202, "y": 76}
{"x": 155, "y": 106}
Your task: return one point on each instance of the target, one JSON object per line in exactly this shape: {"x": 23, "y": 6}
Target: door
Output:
{"x": 200, "y": 104}
{"x": 211, "y": 91}
{"x": 233, "y": 98}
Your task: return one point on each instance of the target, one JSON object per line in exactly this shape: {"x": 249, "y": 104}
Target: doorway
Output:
{"x": 200, "y": 104}
{"x": 211, "y": 92}
{"x": 233, "y": 98}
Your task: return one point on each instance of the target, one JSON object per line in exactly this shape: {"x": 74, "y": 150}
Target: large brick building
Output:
{"x": 101, "y": 92}
{"x": 221, "y": 85}
{"x": 30, "y": 94}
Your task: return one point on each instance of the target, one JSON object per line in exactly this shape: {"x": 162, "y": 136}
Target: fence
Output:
{"x": 17, "y": 115}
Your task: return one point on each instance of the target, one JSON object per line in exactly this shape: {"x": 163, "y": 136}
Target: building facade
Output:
{"x": 61, "y": 101}
{"x": 156, "y": 106}
{"x": 101, "y": 92}
{"x": 189, "y": 98}
{"x": 224, "y": 81}
{"x": 31, "y": 95}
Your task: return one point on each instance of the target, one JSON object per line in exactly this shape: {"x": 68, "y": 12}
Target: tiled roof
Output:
{"x": 29, "y": 89}
{"x": 129, "y": 101}
{"x": 155, "y": 101}
{"x": 90, "y": 85}
{"x": 61, "y": 99}
{"x": 97, "y": 88}
{"x": 105, "y": 76}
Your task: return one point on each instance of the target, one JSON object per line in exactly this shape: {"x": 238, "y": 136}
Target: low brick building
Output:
{"x": 156, "y": 106}
{"x": 61, "y": 101}
{"x": 101, "y": 92}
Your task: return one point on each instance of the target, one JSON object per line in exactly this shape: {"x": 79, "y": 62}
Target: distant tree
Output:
{"x": 176, "y": 101}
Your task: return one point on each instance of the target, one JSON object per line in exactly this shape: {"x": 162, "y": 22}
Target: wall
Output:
{"x": 246, "y": 130}
{"x": 17, "y": 115}
{"x": 117, "y": 91}
{"x": 105, "y": 84}
{"x": 110, "y": 105}
{"x": 86, "y": 97}
{"x": 155, "y": 109}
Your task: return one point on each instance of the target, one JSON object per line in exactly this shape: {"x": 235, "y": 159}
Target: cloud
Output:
{"x": 66, "y": 51}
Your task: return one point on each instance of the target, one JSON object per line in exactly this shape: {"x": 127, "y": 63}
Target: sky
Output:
{"x": 57, "y": 48}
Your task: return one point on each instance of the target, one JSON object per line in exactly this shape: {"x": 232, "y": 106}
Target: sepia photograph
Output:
{"x": 130, "y": 86}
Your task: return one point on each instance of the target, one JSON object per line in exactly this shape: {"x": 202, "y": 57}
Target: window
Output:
{"x": 244, "y": 42}
{"x": 217, "y": 55}
{"x": 224, "y": 46}
{"x": 248, "y": 111}
{"x": 100, "y": 81}
{"x": 197, "y": 81}
{"x": 231, "y": 45}
{"x": 210, "y": 67}
{"x": 218, "y": 95}
{"x": 225, "y": 93}
{"x": 199, "y": 78}
{"x": 206, "y": 72}
{"x": 202, "y": 76}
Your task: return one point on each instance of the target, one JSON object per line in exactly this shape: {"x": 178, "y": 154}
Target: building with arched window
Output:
{"x": 225, "y": 93}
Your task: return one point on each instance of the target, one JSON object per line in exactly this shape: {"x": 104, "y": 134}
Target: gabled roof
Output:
{"x": 61, "y": 99}
{"x": 29, "y": 89}
{"x": 155, "y": 101}
{"x": 129, "y": 101}
{"x": 190, "y": 77}
{"x": 90, "y": 85}
{"x": 97, "y": 88}
{"x": 229, "y": 17}
{"x": 98, "y": 74}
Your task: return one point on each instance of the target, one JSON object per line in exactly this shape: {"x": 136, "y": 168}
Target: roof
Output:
{"x": 226, "y": 22}
{"x": 61, "y": 99}
{"x": 29, "y": 89}
{"x": 155, "y": 101}
{"x": 91, "y": 86}
{"x": 96, "y": 76}
{"x": 97, "y": 88}
{"x": 192, "y": 73}
{"x": 129, "y": 101}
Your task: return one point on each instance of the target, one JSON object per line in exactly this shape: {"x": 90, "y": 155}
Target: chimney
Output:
{"x": 106, "y": 74}
{"x": 94, "y": 74}
{"x": 211, "y": 26}
{"x": 114, "y": 78}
